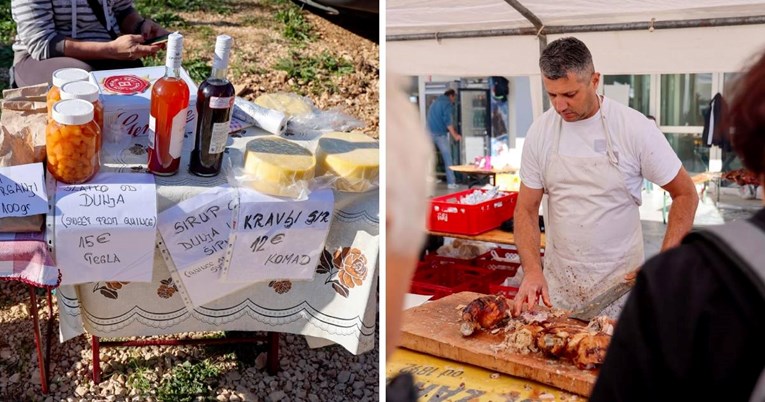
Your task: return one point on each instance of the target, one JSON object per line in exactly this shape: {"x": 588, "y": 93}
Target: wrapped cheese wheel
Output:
{"x": 353, "y": 157}
{"x": 287, "y": 103}
{"x": 278, "y": 167}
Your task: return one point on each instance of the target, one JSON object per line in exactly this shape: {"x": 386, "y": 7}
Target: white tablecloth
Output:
{"x": 339, "y": 305}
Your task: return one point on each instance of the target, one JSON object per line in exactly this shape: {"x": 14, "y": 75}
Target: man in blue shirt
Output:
{"x": 440, "y": 125}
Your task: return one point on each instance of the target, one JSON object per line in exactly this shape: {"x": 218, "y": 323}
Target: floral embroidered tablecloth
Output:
{"x": 339, "y": 305}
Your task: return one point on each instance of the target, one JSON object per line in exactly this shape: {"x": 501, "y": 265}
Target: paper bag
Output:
{"x": 22, "y": 140}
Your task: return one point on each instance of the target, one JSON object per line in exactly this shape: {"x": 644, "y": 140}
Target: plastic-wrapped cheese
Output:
{"x": 278, "y": 167}
{"x": 287, "y": 103}
{"x": 353, "y": 157}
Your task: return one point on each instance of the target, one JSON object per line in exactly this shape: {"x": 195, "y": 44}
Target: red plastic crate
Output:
{"x": 507, "y": 291}
{"x": 449, "y": 216}
{"x": 435, "y": 259}
{"x": 487, "y": 260}
{"x": 441, "y": 281}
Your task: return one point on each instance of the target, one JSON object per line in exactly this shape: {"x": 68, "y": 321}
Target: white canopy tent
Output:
{"x": 492, "y": 37}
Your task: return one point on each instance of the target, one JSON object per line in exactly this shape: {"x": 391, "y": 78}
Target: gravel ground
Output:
{"x": 138, "y": 374}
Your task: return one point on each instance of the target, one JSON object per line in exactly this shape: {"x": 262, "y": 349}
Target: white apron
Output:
{"x": 594, "y": 235}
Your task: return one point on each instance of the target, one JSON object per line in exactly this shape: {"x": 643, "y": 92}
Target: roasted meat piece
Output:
{"x": 590, "y": 350}
{"x": 555, "y": 338}
{"x": 602, "y": 323}
{"x": 523, "y": 339}
{"x": 486, "y": 313}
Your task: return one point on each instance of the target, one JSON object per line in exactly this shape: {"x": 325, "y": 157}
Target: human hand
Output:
{"x": 632, "y": 275}
{"x": 456, "y": 137}
{"x": 532, "y": 286}
{"x": 150, "y": 29}
{"x": 131, "y": 47}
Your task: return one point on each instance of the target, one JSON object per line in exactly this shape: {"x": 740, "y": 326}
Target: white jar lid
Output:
{"x": 64, "y": 75}
{"x": 79, "y": 90}
{"x": 72, "y": 112}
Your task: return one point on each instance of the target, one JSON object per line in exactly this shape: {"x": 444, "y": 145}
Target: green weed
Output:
{"x": 198, "y": 69}
{"x": 296, "y": 27}
{"x": 314, "y": 72}
{"x": 139, "y": 378}
{"x": 189, "y": 381}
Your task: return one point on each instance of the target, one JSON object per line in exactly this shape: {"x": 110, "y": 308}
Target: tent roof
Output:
{"x": 440, "y": 16}
{"x": 489, "y": 37}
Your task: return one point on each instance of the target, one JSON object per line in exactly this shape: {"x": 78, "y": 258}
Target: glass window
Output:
{"x": 729, "y": 79}
{"x": 638, "y": 89}
{"x": 691, "y": 151}
{"x": 684, "y": 97}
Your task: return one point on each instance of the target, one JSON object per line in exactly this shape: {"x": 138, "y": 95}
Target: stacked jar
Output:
{"x": 72, "y": 141}
{"x": 87, "y": 92}
{"x": 58, "y": 79}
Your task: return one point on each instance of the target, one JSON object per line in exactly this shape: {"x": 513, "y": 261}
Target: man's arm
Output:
{"x": 683, "y": 208}
{"x": 448, "y": 113}
{"x": 527, "y": 239}
{"x": 454, "y": 132}
{"x": 126, "y": 47}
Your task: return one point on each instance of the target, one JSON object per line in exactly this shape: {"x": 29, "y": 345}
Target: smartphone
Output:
{"x": 158, "y": 39}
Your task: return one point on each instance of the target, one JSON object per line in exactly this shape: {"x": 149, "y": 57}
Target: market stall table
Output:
{"x": 24, "y": 258}
{"x": 327, "y": 310}
{"x": 472, "y": 170}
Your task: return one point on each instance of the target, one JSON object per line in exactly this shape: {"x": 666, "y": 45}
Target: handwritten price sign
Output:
{"x": 277, "y": 238}
{"x": 22, "y": 191}
{"x": 105, "y": 229}
{"x": 196, "y": 234}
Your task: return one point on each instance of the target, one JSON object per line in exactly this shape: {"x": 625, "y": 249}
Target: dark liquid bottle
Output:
{"x": 215, "y": 100}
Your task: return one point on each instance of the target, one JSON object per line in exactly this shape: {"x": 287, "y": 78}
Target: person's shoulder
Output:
{"x": 626, "y": 112}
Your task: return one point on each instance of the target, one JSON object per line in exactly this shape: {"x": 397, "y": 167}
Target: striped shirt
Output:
{"x": 42, "y": 25}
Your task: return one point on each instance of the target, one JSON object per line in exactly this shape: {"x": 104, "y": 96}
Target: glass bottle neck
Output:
{"x": 218, "y": 73}
{"x": 172, "y": 72}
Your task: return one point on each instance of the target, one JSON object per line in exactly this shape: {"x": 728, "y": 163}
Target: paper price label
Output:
{"x": 277, "y": 238}
{"x": 105, "y": 229}
{"x": 22, "y": 190}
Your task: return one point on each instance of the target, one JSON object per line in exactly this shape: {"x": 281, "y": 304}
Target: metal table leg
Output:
{"x": 41, "y": 361}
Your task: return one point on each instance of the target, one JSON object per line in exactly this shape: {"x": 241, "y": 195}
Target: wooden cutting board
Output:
{"x": 433, "y": 328}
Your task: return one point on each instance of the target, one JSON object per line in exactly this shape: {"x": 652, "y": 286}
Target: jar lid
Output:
{"x": 79, "y": 90}
{"x": 64, "y": 75}
{"x": 72, "y": 111}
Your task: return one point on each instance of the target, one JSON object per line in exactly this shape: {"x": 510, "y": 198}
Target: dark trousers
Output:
{"x": 29, "y": 71}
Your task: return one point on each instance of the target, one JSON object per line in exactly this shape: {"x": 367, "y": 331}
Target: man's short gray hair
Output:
{"x": 566, "y": 55}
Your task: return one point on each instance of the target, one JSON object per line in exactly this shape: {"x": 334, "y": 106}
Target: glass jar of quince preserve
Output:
{"x": 88, "y": 92}
{"x": 59, "y": 78}
{"x": 73, "y": 141}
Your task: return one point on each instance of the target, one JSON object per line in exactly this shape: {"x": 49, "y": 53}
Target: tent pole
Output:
{"x": 568, "y": 29}
{"x": 541, "y": 36}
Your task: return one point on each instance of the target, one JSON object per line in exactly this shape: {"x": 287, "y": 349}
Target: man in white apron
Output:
{"x": 589, "y": 154}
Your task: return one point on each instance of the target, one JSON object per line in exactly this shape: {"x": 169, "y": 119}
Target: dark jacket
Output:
{"x": 693, "y": 327}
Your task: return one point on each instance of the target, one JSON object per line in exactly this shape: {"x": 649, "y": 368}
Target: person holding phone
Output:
{"x": 100, "y": 35}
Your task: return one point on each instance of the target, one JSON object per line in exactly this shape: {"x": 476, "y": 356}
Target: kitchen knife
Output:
{"x": 601, "y": 301}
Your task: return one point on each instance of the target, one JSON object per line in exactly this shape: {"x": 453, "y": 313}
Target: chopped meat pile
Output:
{"x": 535, "y": 332}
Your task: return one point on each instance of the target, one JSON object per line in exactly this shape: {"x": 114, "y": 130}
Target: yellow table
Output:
{"x": 445, "y": 380}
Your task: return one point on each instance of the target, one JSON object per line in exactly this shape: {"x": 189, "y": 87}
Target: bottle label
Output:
{"x": 176, "y": 134}
{"x": 221, "y": 103}
{"x": 218, "y": 137}
{"x": 152, "y": 130}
